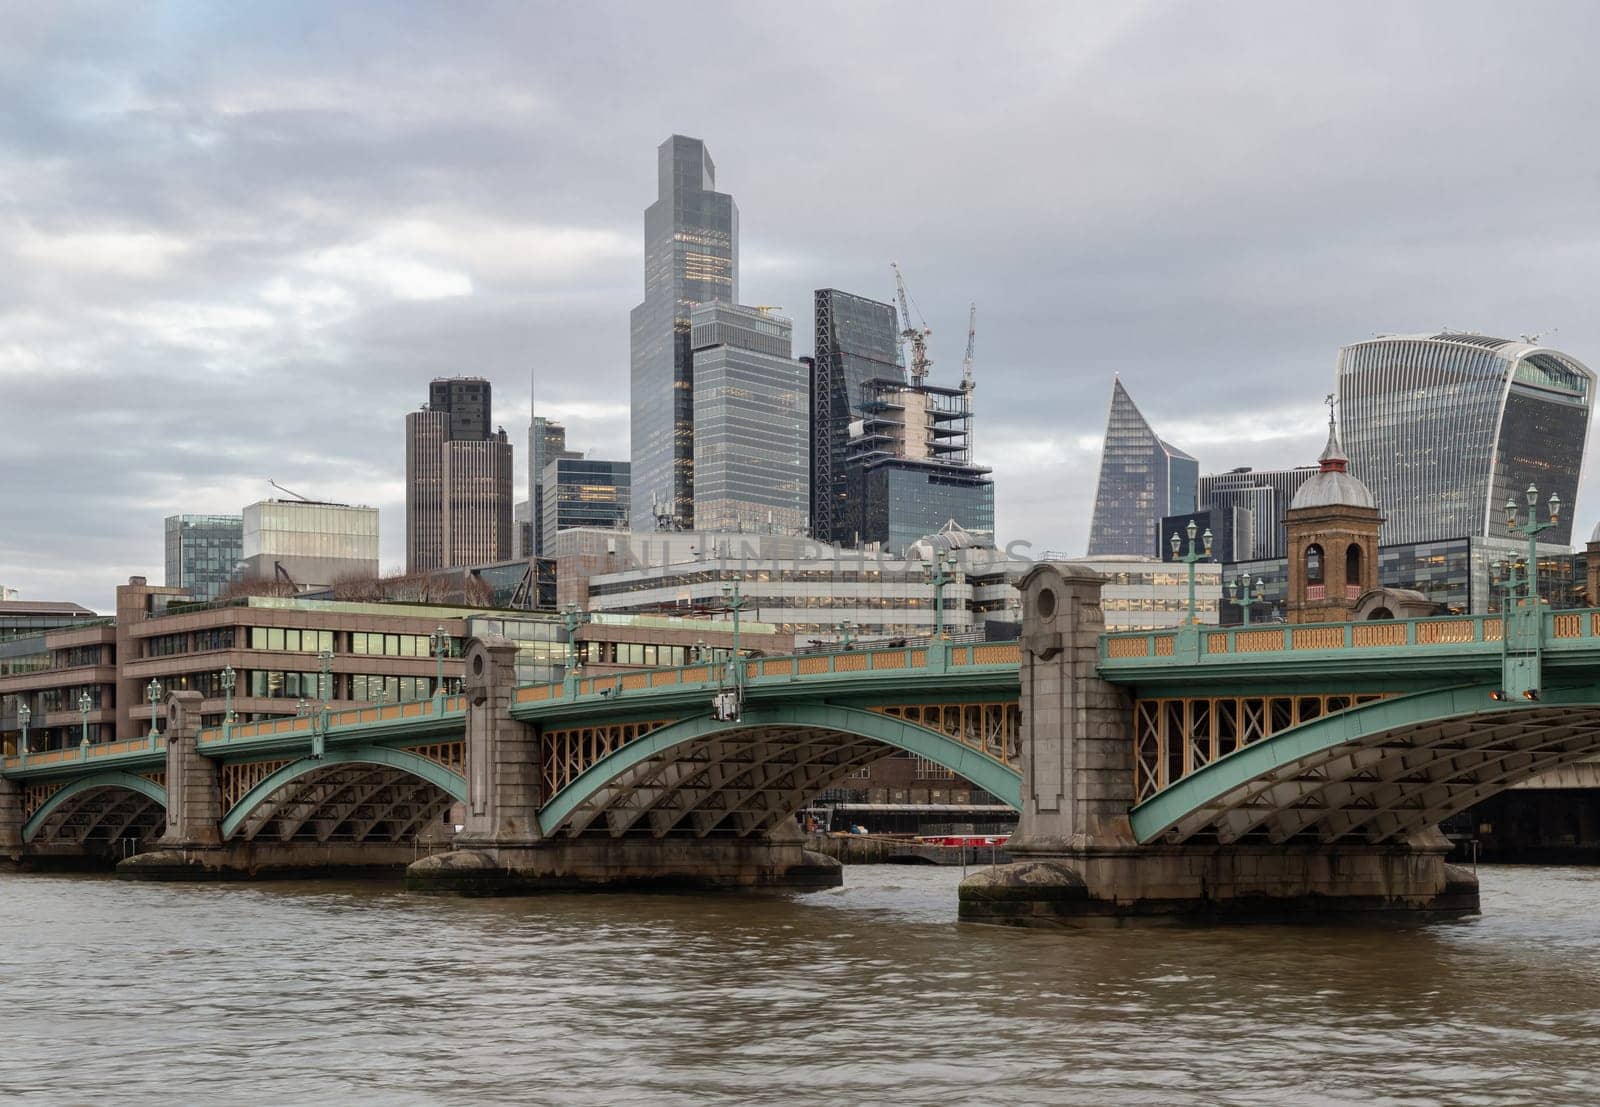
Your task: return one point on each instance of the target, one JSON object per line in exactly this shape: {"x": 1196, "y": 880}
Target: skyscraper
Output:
{"x": 203, "y": 553}
{"x": 752, "y": 440}
{"x": 1142, "y": 479}
{"x": 547, "y": 441}
{"x": 458, "y": 480}
{"x": 1444, "y": 428}
{"x": 583, "y": 492}
{"x": 1256, "y": 499}
{"x": 857, "y": 340}
{"x": 691, "y": 255}
{"x": 910, "y": 469}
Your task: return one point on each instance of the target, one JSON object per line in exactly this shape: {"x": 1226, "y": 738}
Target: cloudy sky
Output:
{"x": 236, "y": 240}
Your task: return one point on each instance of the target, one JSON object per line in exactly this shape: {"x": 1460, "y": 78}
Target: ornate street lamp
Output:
{"x": 84, "y": 704}
{"x": 1191, "y": 558}
{"x": 24, "y": 713}
{"x": 573, "y": 618}
{"x": 1532, "y": 528}
{"x": 438, "y": 640}
{"x": 229, "y": 679}
{"x": 846, "y": 631}
{"x": 1250, "y": 596}
{"x": 152, "y": 692}
{"x": 940, "y": 572}
{"x": 735, "y": 603}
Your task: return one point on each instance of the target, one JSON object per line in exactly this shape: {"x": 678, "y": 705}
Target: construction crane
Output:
{"x": 917, "y": 336}
{"x": 972, "y": 340}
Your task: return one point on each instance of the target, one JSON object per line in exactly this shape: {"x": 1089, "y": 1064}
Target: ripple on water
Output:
{"x": 866, "y": 993}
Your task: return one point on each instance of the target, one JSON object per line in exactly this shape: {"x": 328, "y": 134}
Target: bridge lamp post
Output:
{"x": 84, "y": 703}
{"x": 438, "y": 640}
{"x": 152, "y": 692}
{"x": 846, "y": 631}
{"x": 1191, "y": 558}
{"x": 573, "y": 618}
{"x": 1533, "y": 528}
{"x": 229, "y": 680}
{"x": 24, "y": 714}
{"x": 940, "y": 572}
{"x": 319, "y": 725}
{"x": 1250, "y": 597}
{"x": 735, "y": 603}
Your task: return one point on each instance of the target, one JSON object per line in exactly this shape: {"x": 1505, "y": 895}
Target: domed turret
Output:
{"x": 1333, "y": 526}
{"x": 1333, "y": 485}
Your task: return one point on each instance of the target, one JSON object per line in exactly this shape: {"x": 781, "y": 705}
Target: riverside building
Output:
{"x": 204, "y": 552}
{"x": 458, "y": 480}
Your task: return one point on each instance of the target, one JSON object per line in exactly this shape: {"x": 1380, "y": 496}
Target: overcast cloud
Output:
{"x": 237, "y": 240}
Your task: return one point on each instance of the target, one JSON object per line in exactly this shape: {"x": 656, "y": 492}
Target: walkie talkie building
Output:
{"x": 1444, "y": 428}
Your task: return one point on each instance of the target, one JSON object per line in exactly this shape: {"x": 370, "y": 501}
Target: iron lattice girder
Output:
{"x": 1384, "y": 769}
{"x": 836, "y": 739}
{"x": 74, "y": 802}
{"x": 79, "y": 816}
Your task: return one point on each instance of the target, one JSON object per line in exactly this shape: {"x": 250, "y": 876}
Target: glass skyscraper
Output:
{"x": 204, "y": 553}
{"x": 1142, "y": 479}
{"x": 857, "y": 341}
{"x": 584, "y": 492}
{"x": 1444, "y": 428}
{"x": 1256, "y": 499}
{"x": 752, "y": 415}
{"x": 691, "y": 255}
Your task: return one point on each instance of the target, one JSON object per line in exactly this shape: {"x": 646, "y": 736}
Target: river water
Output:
{"x": 871, "y": 993}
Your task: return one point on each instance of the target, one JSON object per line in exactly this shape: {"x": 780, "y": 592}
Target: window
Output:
{"x": 1313, "y": 564}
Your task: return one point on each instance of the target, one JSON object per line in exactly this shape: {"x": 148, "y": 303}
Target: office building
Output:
{"x": 752, "y": 435}
{"x": 691, "y": 255}
{"x": 857, "y": 340}
{"x": 1142, "y": 479}
{"x": 803, "y": 588}
{"x": 307, "y": 544}
{"x": 584, "y": 492}
{"x": 204, "y": 553}
{"x": 1254, "y": 500}
{"x": 459, "y": 480}
{"x": 1142, "y": 593}
{"x": 910, "y": 469}
{"x": 1445, "y": 427}
{"x": 25, "y": 618}
{"x": 547, "y": 441}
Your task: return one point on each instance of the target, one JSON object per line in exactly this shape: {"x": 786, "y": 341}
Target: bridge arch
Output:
{"x": 700, "y": 775}
{"x": 1377, "y": 772}
{"x": 346, "y": 794}
{"x": 112, "y": 802}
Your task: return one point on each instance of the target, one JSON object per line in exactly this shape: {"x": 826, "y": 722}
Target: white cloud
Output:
{"x": 126, "y": 253}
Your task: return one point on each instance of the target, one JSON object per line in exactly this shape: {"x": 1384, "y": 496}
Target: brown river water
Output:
{"x": 324, "y": 993}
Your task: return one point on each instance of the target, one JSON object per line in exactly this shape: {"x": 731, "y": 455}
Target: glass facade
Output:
{"x": 752, "y": 441}
{"x": 857, "y": 341}
{"x": 585, "y": 492}
{"x": 1258, "y": 498}
{"x": 1145, "y": 594}
{"x": 903, "y": 501}
{"x": 203, "y": 553}
{"x": 1444, "y": 428}
{"x": 287, "y": 528}
{"x": 1142, "y": 479}
{"x": 691, "y": 256}
{"x": 547, "y": 442}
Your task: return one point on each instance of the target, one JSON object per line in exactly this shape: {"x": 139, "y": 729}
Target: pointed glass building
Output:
{"x": 1142, "y": 479}
{"x": 691, "y": 256}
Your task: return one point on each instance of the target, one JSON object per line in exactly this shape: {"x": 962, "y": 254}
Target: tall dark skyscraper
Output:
{"x": 458, "y": 480}
{"x": 691, "y": 255}
{"x": 1142, "y": 479}
{"x": 857, "y": 340}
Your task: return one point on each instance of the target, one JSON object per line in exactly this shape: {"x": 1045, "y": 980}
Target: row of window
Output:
{"x": 270, "y": 684}
{"x": 647, "y": 655}
{"x": 291, "y": 639}
{"x": 400, "y": 645}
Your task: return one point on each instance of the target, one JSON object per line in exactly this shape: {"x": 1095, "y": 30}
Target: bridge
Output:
{"x": 1200, "y": 770}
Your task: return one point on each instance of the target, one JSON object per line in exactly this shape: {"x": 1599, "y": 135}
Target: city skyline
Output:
{"x": 172, "y": 301}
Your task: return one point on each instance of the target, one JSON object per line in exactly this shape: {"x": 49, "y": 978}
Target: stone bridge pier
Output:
{"x": 501, "y": 850}
{"x": 1077, "y": 861}
{"x": 10, "y": 823}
